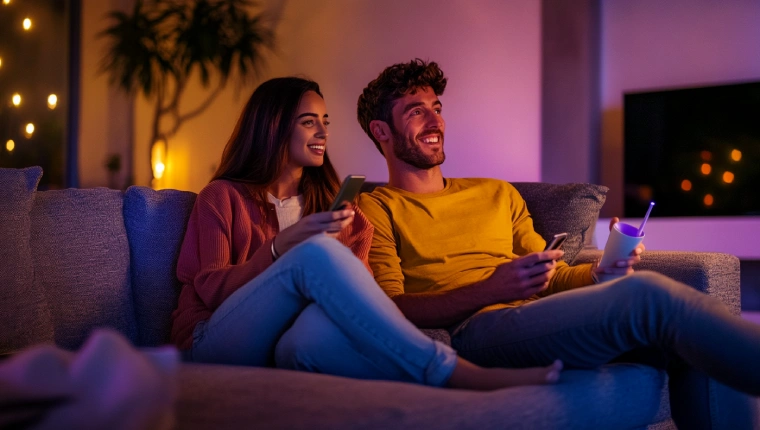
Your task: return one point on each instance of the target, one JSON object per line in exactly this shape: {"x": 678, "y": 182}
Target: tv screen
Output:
{"x": 694, "y": 151}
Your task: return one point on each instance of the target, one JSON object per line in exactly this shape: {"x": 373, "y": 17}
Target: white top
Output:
{"x": 288, "y": 210}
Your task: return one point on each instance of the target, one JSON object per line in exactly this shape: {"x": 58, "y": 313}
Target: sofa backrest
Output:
{"x": 108, "y": 258}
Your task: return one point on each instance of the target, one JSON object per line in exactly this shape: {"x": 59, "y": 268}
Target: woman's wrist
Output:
{"x": 275, "y": 254}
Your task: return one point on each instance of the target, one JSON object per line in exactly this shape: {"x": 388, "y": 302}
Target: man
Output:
{"x": 462, "y": 254}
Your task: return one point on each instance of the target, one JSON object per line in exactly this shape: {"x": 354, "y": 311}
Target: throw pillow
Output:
{"x": 25, "y": 313}
{"x": 571, "y": 208}
{"x": 156, "y": 223}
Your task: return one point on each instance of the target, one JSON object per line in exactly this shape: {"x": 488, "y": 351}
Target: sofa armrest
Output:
{"x": 713, "y": 273}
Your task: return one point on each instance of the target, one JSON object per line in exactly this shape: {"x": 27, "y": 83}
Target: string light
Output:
{"x": 706, "y": 169}
{"x": 736, "y": 155}
{"x": 29, "y": 129}
{"x": 728, "y": 177}
{"x": 16, "y": 99}
{"x": 686, "y": 185}
{"x": 10, "y": 145}
{"x": 27, "y": 23}
{"x": 1, "y": 62}
{"x": 6, "y": 2}
{"x": 52, "y": 101}
{"x": 708, "y": 200}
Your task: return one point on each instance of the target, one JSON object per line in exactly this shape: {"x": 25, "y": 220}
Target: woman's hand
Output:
{"x": 321, "y": 222}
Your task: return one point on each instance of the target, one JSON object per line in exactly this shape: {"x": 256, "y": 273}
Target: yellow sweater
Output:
{"x": 453, "y": 238}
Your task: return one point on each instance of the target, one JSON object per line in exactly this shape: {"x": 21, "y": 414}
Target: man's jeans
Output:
{"x": 591, "y": 326}
{"x": 318, "y": 308}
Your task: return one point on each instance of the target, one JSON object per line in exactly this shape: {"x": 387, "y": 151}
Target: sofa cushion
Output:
{"x": 155, "y": 223}
{"x": 222, "y": 397}
{"x": 81, "y": 257}
{"x": 25, "y": 313}
{"x": 571, "y": 208}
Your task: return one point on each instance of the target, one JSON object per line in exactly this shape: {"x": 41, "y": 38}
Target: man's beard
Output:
{"x": 408, "y": 151}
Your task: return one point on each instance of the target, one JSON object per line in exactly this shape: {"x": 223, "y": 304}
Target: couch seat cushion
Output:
{"x": 220, "y": 397}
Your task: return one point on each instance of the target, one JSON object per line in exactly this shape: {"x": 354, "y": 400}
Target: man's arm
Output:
{"x": 515, "y": 280}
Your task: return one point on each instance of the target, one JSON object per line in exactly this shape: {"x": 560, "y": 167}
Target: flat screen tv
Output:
{"x": 694, "y": 151}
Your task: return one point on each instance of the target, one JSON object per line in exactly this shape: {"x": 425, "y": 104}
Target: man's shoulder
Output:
{"x": 377, "y": 199}
{"x": 482, "y": 183}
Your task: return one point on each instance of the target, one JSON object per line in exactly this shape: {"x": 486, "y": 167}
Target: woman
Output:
{"x": 265, "y": 281}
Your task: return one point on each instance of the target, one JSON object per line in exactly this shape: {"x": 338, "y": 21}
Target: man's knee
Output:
{"x": 649, "y": 285}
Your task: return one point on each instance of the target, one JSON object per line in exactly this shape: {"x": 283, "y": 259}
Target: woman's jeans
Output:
{"x": 317, "y": 308}
{"x": 591, "y": 326}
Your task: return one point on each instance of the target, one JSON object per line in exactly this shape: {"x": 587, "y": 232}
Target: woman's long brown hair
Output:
{"x": 257, "y": 151}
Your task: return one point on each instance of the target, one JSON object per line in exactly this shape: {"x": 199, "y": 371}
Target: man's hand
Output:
{"x": 621, "y": 267}
{"x": 525, "y": 276}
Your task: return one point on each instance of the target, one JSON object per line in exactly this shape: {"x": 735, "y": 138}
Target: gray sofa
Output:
{"x": 77, "y": 259}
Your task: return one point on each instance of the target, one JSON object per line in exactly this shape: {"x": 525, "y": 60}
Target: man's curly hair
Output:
{"x": 376, "y": 101}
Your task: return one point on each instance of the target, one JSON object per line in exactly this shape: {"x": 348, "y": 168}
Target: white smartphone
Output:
{"x": 556, "y": 242}
{"x": 348, "y": 191}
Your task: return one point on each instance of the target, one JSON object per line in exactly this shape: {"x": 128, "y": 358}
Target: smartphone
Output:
{"x": 348, "y": 191}
{"x": 556, "y": 242}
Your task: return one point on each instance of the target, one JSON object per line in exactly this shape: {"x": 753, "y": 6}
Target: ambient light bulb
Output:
{"x": 52, "y": 101}
{"x": 27, "y": 23}
{"x": 736, "y": 155}
{"x": 10, "y": 145}
{"x": 29, "y": 129}
{"x": 1, "y": 63}
{"x": 16, "y": 99}
{"x": 6, "y": 1}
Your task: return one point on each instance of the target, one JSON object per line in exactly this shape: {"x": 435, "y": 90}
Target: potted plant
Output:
{"x": 158, "y": 48}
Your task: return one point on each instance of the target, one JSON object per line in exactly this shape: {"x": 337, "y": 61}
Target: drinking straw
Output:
{"x": 646, "y": 217}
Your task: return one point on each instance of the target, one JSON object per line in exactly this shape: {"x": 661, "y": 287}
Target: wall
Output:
{"x": 489, "y": 49}
{"x": 105, "y": 119}
{"x": 651, "y": 44}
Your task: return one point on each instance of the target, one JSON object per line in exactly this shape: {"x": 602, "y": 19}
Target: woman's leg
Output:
{"x": 315, "y": 344}
{"x": 247, "y": 326}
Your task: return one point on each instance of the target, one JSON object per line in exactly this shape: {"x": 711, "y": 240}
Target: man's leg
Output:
{"x": 590, "y": 326}
{"x": 248, "y": 325}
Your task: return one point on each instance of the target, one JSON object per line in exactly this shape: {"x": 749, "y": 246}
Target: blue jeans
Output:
{"x": 591, "y": 326}
{"x": 317, "y": 308}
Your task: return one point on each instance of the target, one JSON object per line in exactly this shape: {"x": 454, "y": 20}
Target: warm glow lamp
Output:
{"x": 158, "y": 158}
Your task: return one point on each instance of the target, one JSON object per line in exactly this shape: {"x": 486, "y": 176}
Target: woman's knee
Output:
{"x": 320, "y": 251}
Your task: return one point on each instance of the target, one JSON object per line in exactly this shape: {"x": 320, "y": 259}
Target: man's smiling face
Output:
{"x": 418, "y": 128}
